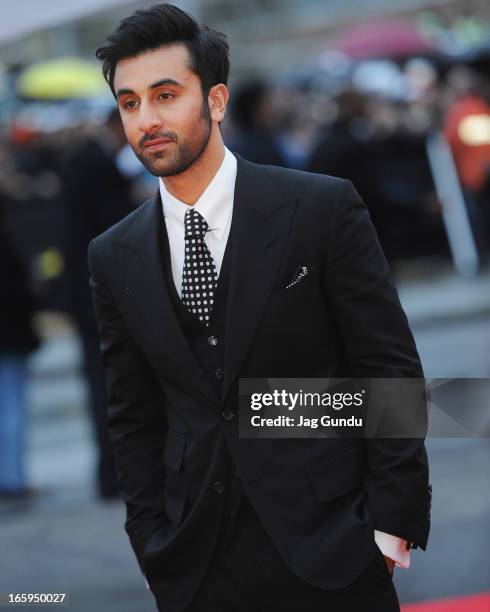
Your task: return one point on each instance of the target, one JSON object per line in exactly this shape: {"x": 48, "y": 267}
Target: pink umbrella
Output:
{"x": 393, "y": 38}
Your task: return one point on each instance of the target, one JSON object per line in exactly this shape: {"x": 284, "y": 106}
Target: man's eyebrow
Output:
{"x": 165, "y": 82}
{"x": 124, "y": 90}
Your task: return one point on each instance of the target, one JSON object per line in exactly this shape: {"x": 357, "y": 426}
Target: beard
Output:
{"x": 185, "y": 152}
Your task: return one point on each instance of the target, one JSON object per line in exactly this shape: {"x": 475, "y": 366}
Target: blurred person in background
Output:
{"x": 375, "y": 143}
{"x": 252, "y": 135}
{"x": 17, "y": 340}
{"x": 466, "y": 126}
{"x": 342, "y": 149}
{"x": 347, "y": 147}
{"x": 95, "y": 195}
{"x": 300, "y": 113}
{"x": 36, "y": 222}
{"x": 403, "y": 199}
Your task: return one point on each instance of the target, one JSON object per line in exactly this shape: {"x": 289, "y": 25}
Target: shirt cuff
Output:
{"x": 393, "y": 547}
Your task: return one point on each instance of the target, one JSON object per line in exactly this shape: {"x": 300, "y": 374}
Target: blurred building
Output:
{"x": 267, "y": 35}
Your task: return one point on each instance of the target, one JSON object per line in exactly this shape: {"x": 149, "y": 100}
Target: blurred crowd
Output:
{"x": 374, "y": 130}
{"x": 66, "y": 174}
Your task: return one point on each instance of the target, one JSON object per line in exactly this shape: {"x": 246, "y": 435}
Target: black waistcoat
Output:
{"x": 207, "y": 342}
{"x": 208, "y": 346}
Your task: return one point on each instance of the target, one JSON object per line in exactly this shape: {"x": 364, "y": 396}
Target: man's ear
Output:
{"x": 218, "y": 100}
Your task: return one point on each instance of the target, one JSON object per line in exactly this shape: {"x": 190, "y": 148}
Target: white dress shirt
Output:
{"x": 215, "y": 204}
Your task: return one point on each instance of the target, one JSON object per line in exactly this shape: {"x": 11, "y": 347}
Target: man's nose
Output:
{"x": 149, "y": 120}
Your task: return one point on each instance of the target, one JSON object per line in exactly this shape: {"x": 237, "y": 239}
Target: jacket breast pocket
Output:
{"x": 340, "y": 473}
{"x": 303, "y": 291}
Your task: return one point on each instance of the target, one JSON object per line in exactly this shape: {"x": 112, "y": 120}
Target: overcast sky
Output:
{"x": 20, "y": 17}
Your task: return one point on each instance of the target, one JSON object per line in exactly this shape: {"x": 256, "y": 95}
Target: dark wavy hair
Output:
{"x": 164, "y": 25}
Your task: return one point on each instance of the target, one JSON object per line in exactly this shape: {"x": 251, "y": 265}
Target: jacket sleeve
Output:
{"x": 376, "y": 342}
{"x": 136, "y": 419}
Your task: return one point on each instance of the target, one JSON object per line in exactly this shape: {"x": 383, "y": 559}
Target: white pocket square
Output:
{"x": 300, "y": 273}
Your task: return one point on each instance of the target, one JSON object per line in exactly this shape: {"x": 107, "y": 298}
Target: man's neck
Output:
{"x": 188, "y": 186}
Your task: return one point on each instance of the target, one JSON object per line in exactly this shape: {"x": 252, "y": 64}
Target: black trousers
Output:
{"x": 247, "y": 574}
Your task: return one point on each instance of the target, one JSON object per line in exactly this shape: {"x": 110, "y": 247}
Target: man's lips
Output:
{"x": 156, "y": 143}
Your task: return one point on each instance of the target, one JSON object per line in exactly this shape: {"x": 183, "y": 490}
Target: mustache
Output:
{"x": 166, "y": 135}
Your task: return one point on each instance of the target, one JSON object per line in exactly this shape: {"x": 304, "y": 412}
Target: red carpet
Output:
{"x": 471, "y": 603}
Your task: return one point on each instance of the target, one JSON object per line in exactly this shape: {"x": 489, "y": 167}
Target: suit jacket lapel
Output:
{"x": 261, "y": 220}
{"x": 146, "y": 282}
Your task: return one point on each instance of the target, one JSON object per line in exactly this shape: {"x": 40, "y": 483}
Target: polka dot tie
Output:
{"x": 199, "y": 277}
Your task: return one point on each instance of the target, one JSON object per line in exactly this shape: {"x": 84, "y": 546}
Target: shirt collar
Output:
{"x": 215, "y": 204}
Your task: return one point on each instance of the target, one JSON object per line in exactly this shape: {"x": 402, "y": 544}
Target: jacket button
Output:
{"x": 219, "y": 373}
{"x": 219, "y": 486}
{"x": 228, "y": 415}
{"x": 212, "y": 340}
{"x": 236, "y": 474}
{"x": 233, "y": 511}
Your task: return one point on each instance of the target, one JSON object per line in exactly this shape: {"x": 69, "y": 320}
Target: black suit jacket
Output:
{"x": 320, "y": 499}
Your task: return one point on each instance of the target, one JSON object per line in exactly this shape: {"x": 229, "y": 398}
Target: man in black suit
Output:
{"x": 194, "y": 290}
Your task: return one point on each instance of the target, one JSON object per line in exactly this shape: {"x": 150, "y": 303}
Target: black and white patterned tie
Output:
{"x": 199, "y": 277}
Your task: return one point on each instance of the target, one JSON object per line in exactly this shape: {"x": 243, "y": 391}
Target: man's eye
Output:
{"x": 129, "y": 104}
{"x": 165, "y": 95}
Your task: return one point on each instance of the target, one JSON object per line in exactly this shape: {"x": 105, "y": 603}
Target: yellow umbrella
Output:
{"x": 61, "y": 79}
